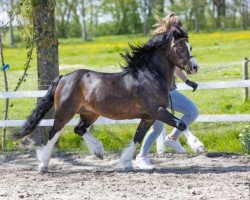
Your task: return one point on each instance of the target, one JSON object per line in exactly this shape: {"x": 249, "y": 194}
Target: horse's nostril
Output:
{"x": 195, "y": 68}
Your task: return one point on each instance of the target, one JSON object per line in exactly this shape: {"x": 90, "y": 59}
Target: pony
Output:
{"x": 140, "y": 90}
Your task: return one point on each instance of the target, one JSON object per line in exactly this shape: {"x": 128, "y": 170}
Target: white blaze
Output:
{"x": 192, "y": 60}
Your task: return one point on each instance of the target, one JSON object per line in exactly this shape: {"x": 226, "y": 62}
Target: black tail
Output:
{"x": 39, "y": 112}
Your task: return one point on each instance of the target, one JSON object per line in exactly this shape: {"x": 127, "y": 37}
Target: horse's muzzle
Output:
{"x": 195, "y": 68}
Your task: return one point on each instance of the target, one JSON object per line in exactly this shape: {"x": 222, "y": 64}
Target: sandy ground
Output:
{"x": 82, "y": 176}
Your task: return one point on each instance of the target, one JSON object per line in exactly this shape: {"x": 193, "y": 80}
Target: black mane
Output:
{"x": 141, "y": 56}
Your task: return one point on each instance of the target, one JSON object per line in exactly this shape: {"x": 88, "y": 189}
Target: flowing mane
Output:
{"x": 141, "y": 58}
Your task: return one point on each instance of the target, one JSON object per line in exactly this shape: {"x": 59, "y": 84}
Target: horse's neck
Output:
{"x": 167, "y": 71}
{"x": 163, "y": 76}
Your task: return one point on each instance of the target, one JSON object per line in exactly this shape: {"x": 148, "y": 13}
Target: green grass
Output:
{"x": 211, "y": 50}
{"x": 219, "y": 137}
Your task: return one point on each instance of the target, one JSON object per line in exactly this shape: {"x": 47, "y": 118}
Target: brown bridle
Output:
{"x": 182, "y": 65}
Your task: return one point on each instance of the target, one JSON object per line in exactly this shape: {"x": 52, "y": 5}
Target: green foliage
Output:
{"x": 71, "y": 141}
{"x": 105, "y": 29}
{"x": 75, "y": 30}
{"x": 219, "y": 137}
{"x": 18, "y": 38}
{"x": 125, "y": 15}
{"x": 244, "y": 137}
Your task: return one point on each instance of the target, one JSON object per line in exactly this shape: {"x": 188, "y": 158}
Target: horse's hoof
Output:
{"x": 99, "y": 156}
{"x": 201, "y": 149}
{"x": 43, "y": 169}
{"x": 128, "y": 169}
{"x": 182, "y": 126}
{"x": 99, "y": 151}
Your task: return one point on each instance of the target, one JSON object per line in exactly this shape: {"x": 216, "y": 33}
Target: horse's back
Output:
{"x": 89, "y": 86}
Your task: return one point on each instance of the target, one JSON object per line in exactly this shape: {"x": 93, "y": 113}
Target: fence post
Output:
{"x": 245, "y": 77}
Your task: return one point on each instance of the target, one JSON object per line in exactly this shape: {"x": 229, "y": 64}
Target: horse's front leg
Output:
{"x": 82, "y": 129}
{"x": 127, "y": 155}
{"x": 165, "y": 116}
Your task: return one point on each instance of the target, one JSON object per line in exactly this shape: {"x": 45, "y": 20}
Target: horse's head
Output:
{"x": 180, "y": 51}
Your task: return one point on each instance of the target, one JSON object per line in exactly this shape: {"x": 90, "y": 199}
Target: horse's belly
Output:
{"x": 119, "y": 111}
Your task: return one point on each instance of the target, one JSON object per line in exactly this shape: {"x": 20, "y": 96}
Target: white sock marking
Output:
{"x": 193, "y": 142}
{"x": 44, "y": 152}
{"x": 94, "y": 145}
{"x": 127, "y": 156}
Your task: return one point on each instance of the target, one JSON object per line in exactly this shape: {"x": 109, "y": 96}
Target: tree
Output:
{"x": 83, "y": 16}
{"x": 64, "y": 11}
{"x": 146, "y": 6}
{"x": 244, "y": 13}
{"x": 160, "y": 4}
{"x": 220, "y": 10}
{"x": 47, "y": 48}
{"x": 125, "y": 15}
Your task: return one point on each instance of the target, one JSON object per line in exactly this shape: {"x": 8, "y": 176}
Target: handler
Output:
{"x": 180, "y": 103}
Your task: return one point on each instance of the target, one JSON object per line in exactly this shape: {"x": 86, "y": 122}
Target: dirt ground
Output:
{"x": 82, "y": 176}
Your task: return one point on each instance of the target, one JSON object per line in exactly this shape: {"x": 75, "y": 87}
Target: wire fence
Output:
{"x": 222, "y": 67}
{"x": 31, "y": 78}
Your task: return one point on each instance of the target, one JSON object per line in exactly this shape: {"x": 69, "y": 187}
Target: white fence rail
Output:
{"x": 101, "y": 120}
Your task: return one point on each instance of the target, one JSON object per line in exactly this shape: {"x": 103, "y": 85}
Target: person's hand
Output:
{"x": 192, "y": 84}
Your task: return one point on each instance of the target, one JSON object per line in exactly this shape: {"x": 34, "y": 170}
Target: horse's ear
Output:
{"x": 173, "y": 33}
{"x": 172, "y": 41}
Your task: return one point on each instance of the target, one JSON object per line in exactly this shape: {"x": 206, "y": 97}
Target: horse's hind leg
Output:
{"x": 127, "y": 155}
{"x": 82, "y": 129}
{"x": 44, "y": 153}
{"x": 194, "y": 142}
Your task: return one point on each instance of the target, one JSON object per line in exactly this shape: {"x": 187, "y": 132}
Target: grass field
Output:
{"x": 212, "y": 51}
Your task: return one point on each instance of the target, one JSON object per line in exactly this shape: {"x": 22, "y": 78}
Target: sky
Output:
{"x": 3, "y": 17}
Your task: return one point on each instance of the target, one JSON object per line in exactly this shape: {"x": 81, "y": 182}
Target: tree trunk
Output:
{"x": 12, "y": 42}
{"x": 146, "y": 9}
{"x": 160, "y": 7}
{"x": 84, "y": 29}
{"x": 91, "y": 19}
{"x": 220, "y": 10}
{"x": 47, "y": 51}
{"x": 196, "y": 20}
{"x": 244, "y": 14}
